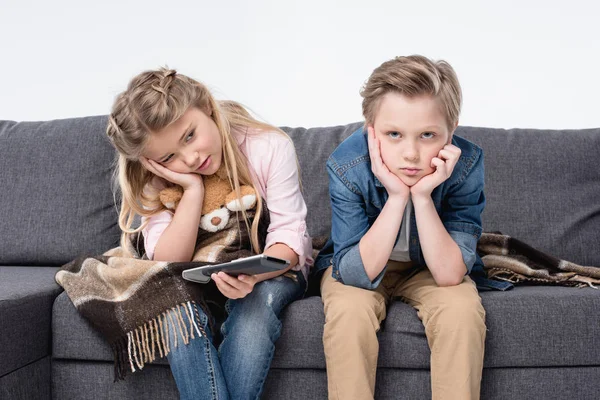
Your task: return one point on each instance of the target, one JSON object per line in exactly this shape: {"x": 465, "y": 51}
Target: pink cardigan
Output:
{"x": 272, "y": 160}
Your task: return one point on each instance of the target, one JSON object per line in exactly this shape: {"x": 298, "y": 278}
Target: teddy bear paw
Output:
{"x": 247, "y": 202}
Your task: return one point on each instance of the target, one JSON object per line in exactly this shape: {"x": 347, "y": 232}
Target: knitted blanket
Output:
{"x": 509, "y": 259}
{"x": 132, "y": 301}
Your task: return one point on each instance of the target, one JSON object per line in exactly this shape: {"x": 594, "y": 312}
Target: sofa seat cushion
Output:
{"x": 73, "y": 338}
{"x": 541, "y": 326}
{"x": 529, "y": 326}
{"x": 26, "y": 297}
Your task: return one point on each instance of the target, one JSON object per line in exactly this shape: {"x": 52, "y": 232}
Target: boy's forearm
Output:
{"x": 377, "y": 244}
{"x": 442, "y": 255}
{"x": 179, "y": 239}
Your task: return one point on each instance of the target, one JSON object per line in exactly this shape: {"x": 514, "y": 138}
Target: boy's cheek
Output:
{"x": 427, "y": 172}
{"x": 385, "y": 159}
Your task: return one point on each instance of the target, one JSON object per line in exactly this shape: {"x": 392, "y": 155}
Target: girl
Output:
{"x": 168, "y": 129}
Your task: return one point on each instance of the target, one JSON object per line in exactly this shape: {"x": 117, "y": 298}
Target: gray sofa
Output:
{"x": 56, "y": 203}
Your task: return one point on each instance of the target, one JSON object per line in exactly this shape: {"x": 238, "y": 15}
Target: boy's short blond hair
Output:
{"x": 413, "y": 76}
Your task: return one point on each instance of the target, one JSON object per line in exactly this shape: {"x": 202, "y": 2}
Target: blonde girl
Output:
{"x": 168, "y": 129}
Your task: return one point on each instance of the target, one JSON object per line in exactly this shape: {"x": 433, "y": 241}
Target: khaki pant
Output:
{"x": 454, "y": 321}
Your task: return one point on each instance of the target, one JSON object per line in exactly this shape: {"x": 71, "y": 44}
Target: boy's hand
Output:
{"x": 186, "y": 181}
{"x": 444, "y": 164}
{"x": 234, "y": 287}
{"x": 391, "y": 182}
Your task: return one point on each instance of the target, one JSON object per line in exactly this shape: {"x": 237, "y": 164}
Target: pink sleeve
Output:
{"x": 155, "y": 228}
{"x": 287, "y": 209}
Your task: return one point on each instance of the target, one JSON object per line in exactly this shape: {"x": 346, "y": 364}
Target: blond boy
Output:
{"x": 406, "y": 197}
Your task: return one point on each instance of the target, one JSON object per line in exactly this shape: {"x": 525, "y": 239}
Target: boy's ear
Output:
{"x": 452, "y": 133}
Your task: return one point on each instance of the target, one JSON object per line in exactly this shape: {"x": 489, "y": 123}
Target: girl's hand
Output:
{"x": 234, "y": 287}
{"x": 391, "y": 182}
{"x": 444, "y": 164}
{"x": 186, "y": 181}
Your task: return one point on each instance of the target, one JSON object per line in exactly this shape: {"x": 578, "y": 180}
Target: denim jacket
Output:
{"x": 357, "y": 197}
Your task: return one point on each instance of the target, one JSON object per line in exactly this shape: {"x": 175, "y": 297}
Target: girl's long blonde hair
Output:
{"x": 153, "y": 100}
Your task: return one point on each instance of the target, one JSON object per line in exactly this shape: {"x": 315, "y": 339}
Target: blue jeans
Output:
{"x": 239, "y": 368}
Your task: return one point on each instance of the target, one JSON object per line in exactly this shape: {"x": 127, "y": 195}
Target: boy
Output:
{"x": 406, "y": 198}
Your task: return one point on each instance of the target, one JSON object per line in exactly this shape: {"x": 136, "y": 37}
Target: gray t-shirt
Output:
{"x": 400, "y": 250}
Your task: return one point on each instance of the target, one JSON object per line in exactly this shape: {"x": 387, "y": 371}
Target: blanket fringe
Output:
{"x": 565, "y": 279}
{"x": 120, "y": 355}
{"x": 139, "y": 346}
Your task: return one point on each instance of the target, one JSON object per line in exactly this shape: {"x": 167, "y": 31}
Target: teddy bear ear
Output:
{"x": 170, "y": 196}
{"x": 247, "y": 201}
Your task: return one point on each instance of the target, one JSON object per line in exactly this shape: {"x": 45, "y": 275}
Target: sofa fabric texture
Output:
{"x": 56, "y": 192}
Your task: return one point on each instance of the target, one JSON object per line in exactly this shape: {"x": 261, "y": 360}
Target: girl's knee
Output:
{"x": 257, "y": 323}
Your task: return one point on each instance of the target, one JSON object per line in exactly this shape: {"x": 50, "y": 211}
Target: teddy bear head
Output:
{"x": 219, "y": 200}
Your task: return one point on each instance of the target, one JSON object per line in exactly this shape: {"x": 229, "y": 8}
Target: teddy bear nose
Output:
{"x": 215, "y": 221}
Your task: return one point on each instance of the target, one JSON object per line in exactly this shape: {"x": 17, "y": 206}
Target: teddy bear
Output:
{"x": 219, "y": 200}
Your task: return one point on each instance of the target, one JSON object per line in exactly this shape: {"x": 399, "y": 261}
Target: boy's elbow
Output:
{"x": 451, "y": 278}
{"x": 448, "y": 281}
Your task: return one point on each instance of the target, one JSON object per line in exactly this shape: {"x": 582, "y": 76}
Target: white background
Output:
{"x": 521, "y": 63}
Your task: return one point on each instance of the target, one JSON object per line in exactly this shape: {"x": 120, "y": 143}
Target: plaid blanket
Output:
{"x": 509, "y": 259}
{"x": 132, "y": 301}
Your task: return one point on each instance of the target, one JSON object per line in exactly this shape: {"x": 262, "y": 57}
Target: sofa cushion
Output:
{"x": 542, "y": 187}
{"x": 56, "y": 195}
{"x": 73, "y": 337}
{"x": 313, "y": 147}
{"x": 26, "y": 297}
{"x": 33, "y": 381}
{"x": 94, "y": 381}
{"x": 529, "y": 326}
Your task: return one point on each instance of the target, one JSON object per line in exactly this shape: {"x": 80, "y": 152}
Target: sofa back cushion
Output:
{"x": 56, "y": 197}
{"x": 542, "y": 186}
{"x": 313, "y": 147}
